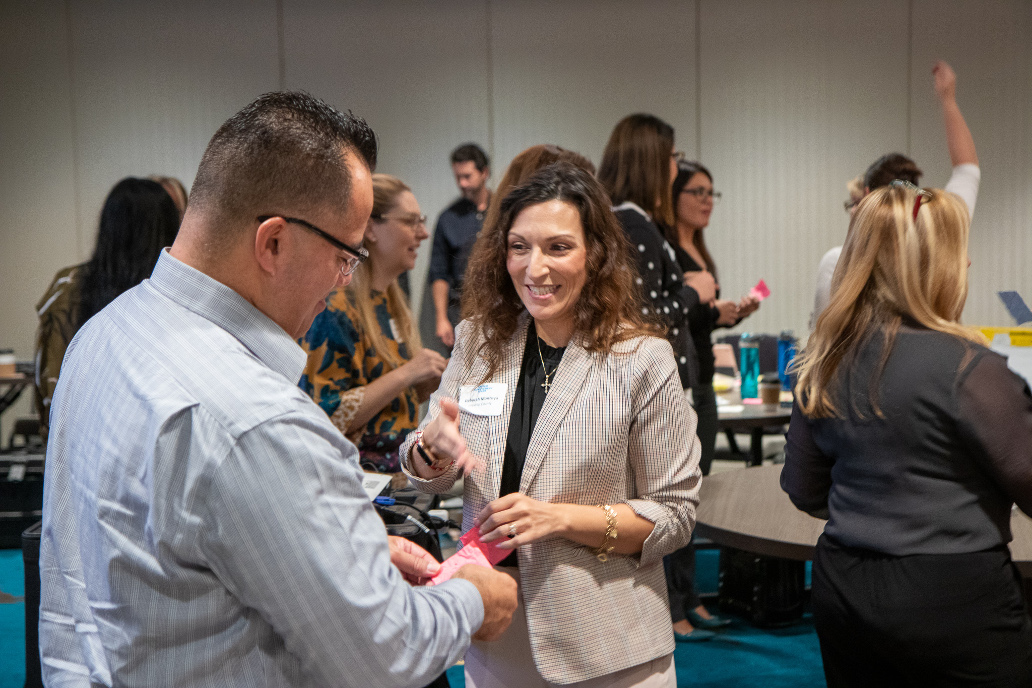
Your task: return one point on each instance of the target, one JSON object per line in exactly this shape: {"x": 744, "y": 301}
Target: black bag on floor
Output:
{"x": 21, "y": 495}
{"x": 766, "y": 590}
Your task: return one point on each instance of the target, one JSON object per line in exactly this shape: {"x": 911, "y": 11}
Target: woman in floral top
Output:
{"x": 366, "y": 366}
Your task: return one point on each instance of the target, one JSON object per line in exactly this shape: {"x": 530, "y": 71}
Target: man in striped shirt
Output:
{"x": 204, "y": 523}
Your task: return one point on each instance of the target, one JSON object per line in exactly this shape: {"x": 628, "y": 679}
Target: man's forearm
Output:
{"x": 440, "y": 289}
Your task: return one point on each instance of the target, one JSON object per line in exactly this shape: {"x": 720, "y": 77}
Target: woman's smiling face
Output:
{"x": 547, "y": 260}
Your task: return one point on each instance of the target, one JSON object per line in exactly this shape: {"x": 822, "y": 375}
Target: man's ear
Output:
{"x": 369, "y": 235}
{"x": 269, "y": 244}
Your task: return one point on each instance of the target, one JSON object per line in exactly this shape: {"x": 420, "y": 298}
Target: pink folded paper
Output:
{"x": 760, "y": 291}
{"x": 473, "y": 551}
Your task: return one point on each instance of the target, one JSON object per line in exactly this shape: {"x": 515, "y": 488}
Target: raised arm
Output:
{"x": 958, "y": 137}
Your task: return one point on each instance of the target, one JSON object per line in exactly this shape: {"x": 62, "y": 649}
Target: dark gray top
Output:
{"x": 939, "y": 472}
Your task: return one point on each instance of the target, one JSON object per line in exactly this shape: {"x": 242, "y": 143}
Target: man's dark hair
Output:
{"x": 471, "y": 152}
{"x": 892, "y": 166}
{"x": 283, "y": 153}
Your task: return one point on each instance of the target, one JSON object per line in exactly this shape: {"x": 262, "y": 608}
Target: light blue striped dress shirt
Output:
{"x": 205, "y": 525}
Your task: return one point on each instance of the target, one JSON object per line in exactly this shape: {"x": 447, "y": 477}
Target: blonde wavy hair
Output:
{"x": 386, "y": 189}
{"x": 905, "y": 257}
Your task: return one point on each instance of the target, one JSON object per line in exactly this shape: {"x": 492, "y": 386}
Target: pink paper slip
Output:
{"x": 760, "y": 291}
{"x": 473, "y": 551}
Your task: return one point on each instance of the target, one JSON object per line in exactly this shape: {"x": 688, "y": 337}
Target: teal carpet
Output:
{"x": 12, "y": 619}
{"x": 740, "y": 657}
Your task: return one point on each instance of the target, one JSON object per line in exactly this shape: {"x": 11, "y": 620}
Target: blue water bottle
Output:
{"x": 749, "y": 344}
{"x": 786, "y": 353}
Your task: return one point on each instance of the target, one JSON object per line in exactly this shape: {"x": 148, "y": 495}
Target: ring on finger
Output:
{"x": 512, "y": 531}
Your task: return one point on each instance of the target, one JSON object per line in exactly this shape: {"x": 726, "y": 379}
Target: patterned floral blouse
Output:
{"x": 341, "y": 361}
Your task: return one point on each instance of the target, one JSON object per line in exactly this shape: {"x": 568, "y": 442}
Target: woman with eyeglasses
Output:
{"x": 914, "y": 441}
{"x": 366, "y": 366}
{"x": 693, "y": 201}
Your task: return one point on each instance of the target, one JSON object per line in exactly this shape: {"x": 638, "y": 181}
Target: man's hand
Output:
{"x": 445, "y": 332}
{"x": 498, "y": 591}
{"x": 414, "y": 562}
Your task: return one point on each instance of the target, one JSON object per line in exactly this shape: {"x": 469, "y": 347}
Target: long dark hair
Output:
{"x": 636, "y": 165}
{"x": 608, "y": 310}
{"x": 139, "y": 219}
{"x": 685, "y": 171}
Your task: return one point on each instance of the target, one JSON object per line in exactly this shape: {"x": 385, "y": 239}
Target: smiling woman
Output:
{"x": 586, "y": 467}
{"x": 366, "y": 366}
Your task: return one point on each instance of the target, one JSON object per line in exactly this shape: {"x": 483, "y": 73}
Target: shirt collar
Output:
{"x": 630, "y": 205}
{"x": 218, "y": 303}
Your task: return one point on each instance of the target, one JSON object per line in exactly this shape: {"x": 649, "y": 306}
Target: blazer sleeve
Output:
{"x": 806, "y": 476}
{"x": 451, "y": 380}
{"x": 662, "y": 452}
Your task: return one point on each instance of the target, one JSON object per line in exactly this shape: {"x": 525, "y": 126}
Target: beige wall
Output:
{"x": 784, "y": 100}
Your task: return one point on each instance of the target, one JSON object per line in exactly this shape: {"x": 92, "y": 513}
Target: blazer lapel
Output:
{"x": 508, "y": 374}
{"x": 568, "y": 384}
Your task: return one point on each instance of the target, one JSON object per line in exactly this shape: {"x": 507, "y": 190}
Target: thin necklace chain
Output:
{"x": 546, "y": 384}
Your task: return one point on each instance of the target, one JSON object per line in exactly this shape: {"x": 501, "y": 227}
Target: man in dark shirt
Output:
{"x": 456, "y": 231}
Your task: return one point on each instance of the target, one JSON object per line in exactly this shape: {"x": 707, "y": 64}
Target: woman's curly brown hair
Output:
{"x": 609, "y": 309}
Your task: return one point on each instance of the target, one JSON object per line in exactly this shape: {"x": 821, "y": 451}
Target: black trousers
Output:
{"x": 921, "y": 620}
{"x": 704, "y": 399}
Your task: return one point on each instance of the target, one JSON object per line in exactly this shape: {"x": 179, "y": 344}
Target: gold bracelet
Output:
{"x": 603, "y": 551}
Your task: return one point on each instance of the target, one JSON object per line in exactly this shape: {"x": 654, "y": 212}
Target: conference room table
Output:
{"x": 747, "y": 509}
{"x": 736, "y": 417}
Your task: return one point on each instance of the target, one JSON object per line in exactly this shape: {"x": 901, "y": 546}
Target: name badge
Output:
{"x": 482, "y": 400}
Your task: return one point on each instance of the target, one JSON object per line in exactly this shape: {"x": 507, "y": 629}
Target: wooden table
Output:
{"x": 748, "y": 510}
{"x": 752, "y": 418}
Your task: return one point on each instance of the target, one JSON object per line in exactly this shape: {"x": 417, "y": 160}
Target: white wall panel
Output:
{"x": 37, "y": 191}
{"x": 793, "y": 98}
{"x": 990, "y": 46}
{"x": 153, "y": 81}
{"x": 567, "y": 72}
{"x": 416, "y": 72}
{"x": 798, "y": 97}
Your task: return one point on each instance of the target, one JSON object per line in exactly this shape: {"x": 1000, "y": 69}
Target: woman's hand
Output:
{"x": 444, "y": 441}
{"x": 517, "y": 519}
{"x": 426, "y": 365}
{"x": 747, "y": 306}
{"x": 703, "y": 283}
{"x": 728, "y": 312}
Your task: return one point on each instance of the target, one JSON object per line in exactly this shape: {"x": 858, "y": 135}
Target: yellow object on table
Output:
{"x": 722, "y": 383}
{"x": 1019, "y": 336}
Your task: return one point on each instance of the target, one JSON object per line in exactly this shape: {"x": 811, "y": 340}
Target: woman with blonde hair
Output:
{"x": 366, "y": 366}
{"x": 913, "y": 440}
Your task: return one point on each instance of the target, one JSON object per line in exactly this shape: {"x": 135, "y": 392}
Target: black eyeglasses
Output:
{"x": 349, "y": 264}
{"x": 702, "y": 193}
{"x": 410, "y": 221}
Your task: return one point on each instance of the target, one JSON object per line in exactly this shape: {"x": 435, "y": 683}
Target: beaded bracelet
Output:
{"x": 603, "y": 551}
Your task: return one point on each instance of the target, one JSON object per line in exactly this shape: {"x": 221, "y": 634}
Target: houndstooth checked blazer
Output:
{"x": 614, "y": 428}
